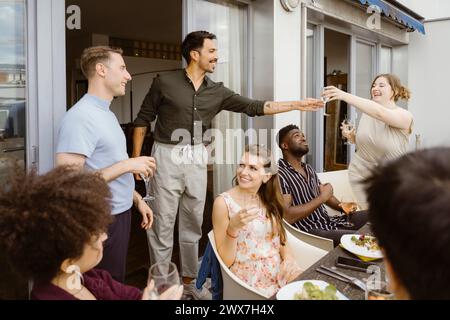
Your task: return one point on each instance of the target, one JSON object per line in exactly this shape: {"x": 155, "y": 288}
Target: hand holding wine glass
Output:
{"x": 348, "y": 129}
{"x": 250, "y": 210}
{"x": 349, "y": 206}
{"x": 148, "y": 194}
{"x": 325, "y": 101}
{"x": 164, "y": 282}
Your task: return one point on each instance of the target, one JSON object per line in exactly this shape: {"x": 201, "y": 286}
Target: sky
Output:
{"x": 12, "y": 32}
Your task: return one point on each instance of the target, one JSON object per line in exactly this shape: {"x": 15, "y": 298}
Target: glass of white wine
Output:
{"x": 325, "y": 101}
{"x": 347, "y": 127}
{"x": 349, "y": 206}
{"x": 164, "y": 280}
{"x": 148, "y": 193}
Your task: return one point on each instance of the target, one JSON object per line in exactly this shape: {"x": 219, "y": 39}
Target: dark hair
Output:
{"x": 194, "y": 41}
{"x": 283, "y": 133}
{"x": 409, "y": 207}
{"x": 270, "y": 192}
{"x": 47, "y": 219}
{"x": 93, "y": 55}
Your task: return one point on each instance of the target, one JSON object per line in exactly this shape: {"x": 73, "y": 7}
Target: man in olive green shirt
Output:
{"x": 189, "y": 100}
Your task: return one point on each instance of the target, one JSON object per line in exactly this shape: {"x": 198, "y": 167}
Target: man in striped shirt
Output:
{"x": 305, "y": 196}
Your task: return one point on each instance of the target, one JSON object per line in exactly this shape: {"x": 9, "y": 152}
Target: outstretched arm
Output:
{"x": 272, "y": 107}
{"x": 397, "y": 118}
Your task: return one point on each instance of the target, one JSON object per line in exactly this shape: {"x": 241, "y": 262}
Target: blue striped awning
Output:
{"x": 397, "y": 14}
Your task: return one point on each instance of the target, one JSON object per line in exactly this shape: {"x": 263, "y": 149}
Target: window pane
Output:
{"x": 386, "y": 60}
{"x": 12, "y": 116}
{"x": 364, "y": 69}
{"x": 12, "y": 85}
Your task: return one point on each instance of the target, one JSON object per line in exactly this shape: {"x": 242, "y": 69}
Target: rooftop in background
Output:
{"x": 12, "y": 67}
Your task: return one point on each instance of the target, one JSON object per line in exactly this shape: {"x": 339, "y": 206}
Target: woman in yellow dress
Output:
{"x": 383, "y": 131}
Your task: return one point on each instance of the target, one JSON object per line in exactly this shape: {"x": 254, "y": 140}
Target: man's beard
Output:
{"x": 300, "y": 152}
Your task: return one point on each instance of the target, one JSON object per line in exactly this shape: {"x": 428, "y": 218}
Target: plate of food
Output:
{"x": 362, "y": 245}
{"x": 310, "y": 290}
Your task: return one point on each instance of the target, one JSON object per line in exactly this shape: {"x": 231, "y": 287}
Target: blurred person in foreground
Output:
{"x": 409, "y": 207}
{"x": 52, "y": 229}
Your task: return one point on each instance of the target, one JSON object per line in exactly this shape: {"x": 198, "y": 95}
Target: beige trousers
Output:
{"x": 179, "y": 186}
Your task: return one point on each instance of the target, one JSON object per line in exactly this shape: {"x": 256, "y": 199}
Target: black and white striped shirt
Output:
{"x": 303, "y": 191}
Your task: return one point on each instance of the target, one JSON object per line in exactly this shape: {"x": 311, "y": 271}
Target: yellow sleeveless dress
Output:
{"x": 376, "y": 142}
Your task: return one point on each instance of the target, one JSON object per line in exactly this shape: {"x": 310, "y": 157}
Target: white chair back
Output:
{"x": 316, "y": 241}
{"x": 233, "y": 287}
{"x": 341, "y": 185}
{"x": 236, "y": 289}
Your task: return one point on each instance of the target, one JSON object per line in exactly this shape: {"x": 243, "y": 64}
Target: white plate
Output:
{"x": 348, "y": 244}
{"x": 288, "y": 291}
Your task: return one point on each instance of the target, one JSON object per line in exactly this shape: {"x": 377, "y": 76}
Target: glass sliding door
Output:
{"x": 314, "y": 120}
{"x": 365, "y": 69}
{"x": 337, "y": 46}
{"x": 385, "y": 60}
{"x": 12, "y": 86}
{"x": 13, "y": 105}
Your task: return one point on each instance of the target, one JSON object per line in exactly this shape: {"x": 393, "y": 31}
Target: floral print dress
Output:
{"x": 258, "y": 257}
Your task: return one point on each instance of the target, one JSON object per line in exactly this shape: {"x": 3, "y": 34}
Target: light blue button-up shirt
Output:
{"x": 89, "y": 128}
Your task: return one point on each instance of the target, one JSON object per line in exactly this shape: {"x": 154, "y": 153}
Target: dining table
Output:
{"x": 351, "y": 291}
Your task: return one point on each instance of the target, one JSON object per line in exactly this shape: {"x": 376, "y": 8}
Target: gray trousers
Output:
{"x": 179, "y": 186}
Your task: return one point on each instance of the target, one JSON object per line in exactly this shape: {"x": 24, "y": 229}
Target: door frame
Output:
{"x": 46, "y": 80}
{"x": 318, "y": 122}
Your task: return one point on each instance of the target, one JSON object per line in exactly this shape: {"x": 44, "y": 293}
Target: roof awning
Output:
{"x": 395, "y": 12}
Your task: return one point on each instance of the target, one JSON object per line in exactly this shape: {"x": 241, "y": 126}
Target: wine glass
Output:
{"x": 325, "y": 101}
{"x": 162, "y": 277}
{"x": 148, "y": 194}
{"x": 349, "y": 206}
{"x": 252, "y": 202}
{"x": 347, "y": 126}
{"x": 379, "y": 290}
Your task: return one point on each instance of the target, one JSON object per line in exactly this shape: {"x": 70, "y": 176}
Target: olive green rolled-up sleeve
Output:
{"x": 150, "y": 105}
{"x": 237, "y": 103}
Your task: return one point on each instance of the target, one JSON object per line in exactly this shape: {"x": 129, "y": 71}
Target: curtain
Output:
{"x": 226, "y": 21}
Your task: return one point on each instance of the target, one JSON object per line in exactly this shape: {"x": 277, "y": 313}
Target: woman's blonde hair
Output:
{"x": 400, "y": 91}
{"x": 270, "y": 192}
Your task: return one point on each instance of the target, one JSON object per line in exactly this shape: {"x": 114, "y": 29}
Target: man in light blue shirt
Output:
{"x": 90, "y": 137}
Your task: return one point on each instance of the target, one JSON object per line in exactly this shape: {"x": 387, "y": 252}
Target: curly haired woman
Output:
{"x": 52, "y": 229}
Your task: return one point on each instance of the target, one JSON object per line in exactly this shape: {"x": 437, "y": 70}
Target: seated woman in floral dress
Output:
{"x": 248, "y": 229}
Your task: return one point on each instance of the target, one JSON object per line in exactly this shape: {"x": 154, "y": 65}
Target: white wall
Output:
{"x": 429, "y": 72}
{"x": 429, "y": 9}
{"x": 287, "y": 36}
{"x": 276, "y": 63}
